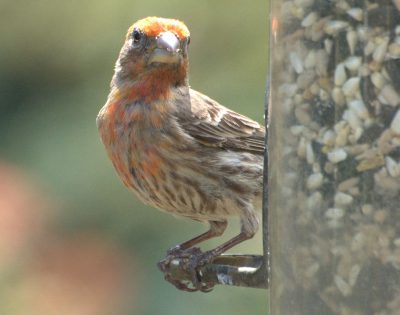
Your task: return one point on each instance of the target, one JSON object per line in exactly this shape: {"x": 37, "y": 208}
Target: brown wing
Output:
{"x": 215, "y": 125}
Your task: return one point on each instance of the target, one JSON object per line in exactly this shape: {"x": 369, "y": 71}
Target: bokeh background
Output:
{"x": 73, "y": 240}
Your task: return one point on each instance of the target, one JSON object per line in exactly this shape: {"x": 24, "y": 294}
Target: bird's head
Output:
{"x": 152, "y": 45}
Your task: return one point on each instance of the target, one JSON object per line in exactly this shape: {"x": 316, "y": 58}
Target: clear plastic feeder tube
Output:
{"x": 334, "y": 140}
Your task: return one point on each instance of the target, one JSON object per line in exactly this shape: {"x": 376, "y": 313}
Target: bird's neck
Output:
{"x": 154, "y": 84}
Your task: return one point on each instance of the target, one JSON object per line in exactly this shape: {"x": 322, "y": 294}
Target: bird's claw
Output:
{"x": 190, "y": 261}
{"x": 177, "y": 251}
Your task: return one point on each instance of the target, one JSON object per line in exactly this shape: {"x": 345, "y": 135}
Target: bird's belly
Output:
{"x": 163, "y": 186}
{"x": 180, "y": 185}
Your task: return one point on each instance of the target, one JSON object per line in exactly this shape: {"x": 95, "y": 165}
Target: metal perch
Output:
{"x": 236, "y": 270}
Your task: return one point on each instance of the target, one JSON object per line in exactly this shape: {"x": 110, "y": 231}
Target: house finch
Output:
{"x": 177, "y": 149}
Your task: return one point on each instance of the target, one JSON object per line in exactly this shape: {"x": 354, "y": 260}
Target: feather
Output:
{"x": 217, "y": 126}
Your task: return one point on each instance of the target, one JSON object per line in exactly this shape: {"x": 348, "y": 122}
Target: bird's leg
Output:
{"x": 217, "y": 228}
{"x": 211, "y": 254}
{"x": 249, "y": 227}
{"x": 185, "y": 253}
{"x": 193, "y": 258}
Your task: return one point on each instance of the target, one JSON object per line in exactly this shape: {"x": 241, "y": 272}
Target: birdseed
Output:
{"x": 335, "y": 155}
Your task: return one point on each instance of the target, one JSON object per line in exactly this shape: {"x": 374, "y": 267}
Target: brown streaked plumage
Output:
{"x": 175, "y": 148}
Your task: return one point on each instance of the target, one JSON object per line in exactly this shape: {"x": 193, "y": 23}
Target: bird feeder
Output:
{"x": 334, "y": 154}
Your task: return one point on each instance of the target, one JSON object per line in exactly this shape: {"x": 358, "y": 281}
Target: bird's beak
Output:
{"x": 167, "y": 49}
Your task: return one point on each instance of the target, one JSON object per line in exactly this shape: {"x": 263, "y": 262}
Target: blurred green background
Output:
{"x": 73, "y": 239}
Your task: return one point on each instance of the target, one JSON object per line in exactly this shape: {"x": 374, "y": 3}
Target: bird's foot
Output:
{"x": 177, "y": 250}
{"x": 187, "y": 263}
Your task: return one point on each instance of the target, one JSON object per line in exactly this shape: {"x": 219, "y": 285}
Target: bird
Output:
{"x": 177, "y": 149}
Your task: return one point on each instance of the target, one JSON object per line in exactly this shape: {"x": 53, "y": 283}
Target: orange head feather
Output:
{"x": 153, "y": 26}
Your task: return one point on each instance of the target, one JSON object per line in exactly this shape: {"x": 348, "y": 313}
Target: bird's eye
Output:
{"x": 136, "y": 36}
